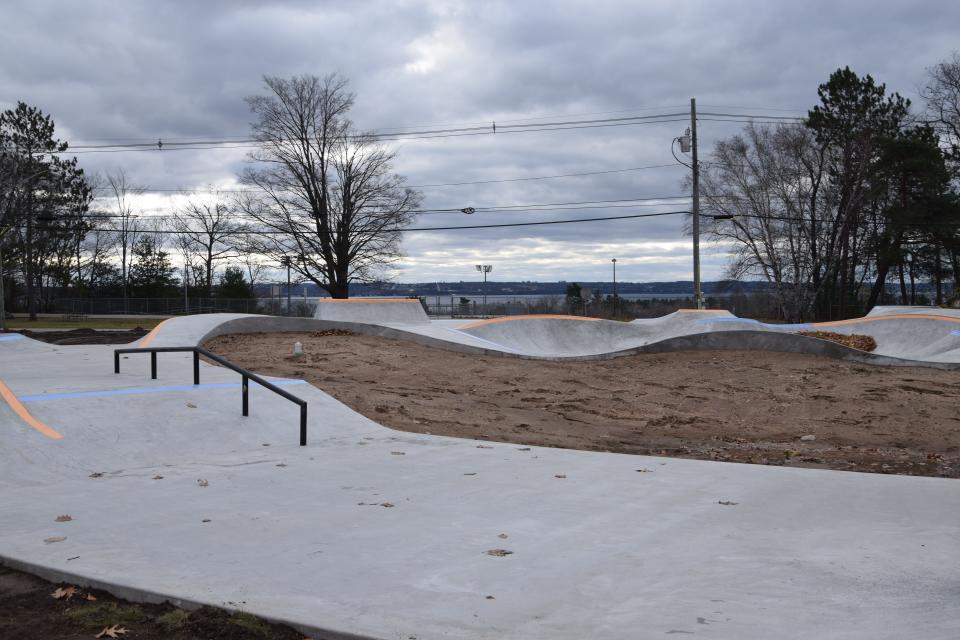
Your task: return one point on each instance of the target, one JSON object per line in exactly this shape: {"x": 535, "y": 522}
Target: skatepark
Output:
{"x": 370, "y": 532}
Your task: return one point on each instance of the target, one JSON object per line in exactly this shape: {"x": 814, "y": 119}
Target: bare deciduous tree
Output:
{"x": 205, "y": 229}
{"x": 127, "y": 228}
{"x": 326, "y": 195}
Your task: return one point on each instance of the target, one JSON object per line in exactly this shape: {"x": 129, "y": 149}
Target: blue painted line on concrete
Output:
{"x": 955, "y": 332}
{"x": 11, "y": 337}
{"x": 141, "y": 390}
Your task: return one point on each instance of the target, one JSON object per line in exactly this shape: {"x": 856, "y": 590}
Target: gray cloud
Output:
{"x": 143, "y": 70}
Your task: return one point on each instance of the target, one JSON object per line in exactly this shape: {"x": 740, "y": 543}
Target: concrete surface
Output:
{"x": 603, "y": 545}
{"x": 373, "y": 310}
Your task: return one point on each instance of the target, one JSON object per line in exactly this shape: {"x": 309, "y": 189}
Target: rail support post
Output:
{"x": 116, "y": 362}
{"x": 153, "y": 365}
{"x": 196, "y": 367}
{"x": 303, "y": 425}
{"x": 245, "y": 385}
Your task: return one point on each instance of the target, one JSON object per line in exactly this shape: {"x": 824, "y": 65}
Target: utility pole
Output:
{"x": 697, "y": 293}
{"x": 485, "y": 269}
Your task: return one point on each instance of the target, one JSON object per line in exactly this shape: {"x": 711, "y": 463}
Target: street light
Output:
{"x": 285, "y": 261}
{"x": 614, "y": 261}
{"x": 485, "y": 269}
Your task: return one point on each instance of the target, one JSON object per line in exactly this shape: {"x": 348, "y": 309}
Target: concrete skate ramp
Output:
{"x": 372, "y": 311}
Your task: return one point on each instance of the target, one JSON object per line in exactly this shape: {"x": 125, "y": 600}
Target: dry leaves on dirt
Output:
{"x": 64, "y": 593}
{"x": 854, "y": 341}
{"x": 112, "y": 632}
{"x": 64, "y": 518}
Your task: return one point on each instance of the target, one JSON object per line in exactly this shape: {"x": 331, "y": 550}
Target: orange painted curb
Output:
{"x": 147, "y": 339}
{"x": 367, "y": 301}
{"x": 25, "y": 415}
{"x": 897, "y": 316}
{"x": 527, "y": 317}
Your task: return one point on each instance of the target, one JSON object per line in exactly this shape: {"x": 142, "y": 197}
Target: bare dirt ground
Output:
{"x": 716, "y": 405}
{"x": 87, "y": 336}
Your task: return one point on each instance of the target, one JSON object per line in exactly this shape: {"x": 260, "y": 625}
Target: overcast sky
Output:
{"x": 137, "y": 71}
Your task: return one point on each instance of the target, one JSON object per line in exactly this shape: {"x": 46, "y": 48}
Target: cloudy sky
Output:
{"x": 127, "y": 71}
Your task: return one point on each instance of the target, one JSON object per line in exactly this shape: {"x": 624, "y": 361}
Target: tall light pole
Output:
{"x": 614, "y": 261}
{"x": 285, "y": 261}
{"x": 485, "y": 269}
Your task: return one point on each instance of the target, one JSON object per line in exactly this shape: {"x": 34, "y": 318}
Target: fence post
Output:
{"x": 116, "y": 362}
{"x": 196, "y": 367}
{"x": 153, "y": 365}
{"x": 246, "y": 389}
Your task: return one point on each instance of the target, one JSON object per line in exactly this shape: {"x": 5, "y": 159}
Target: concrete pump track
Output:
{"x": 368, "y": 532}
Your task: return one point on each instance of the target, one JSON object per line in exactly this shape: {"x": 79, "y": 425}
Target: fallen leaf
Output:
{"x": 281, "y": 465}
{"x": 503, "y": 535}
{"x": 560, "y": 475}
{"x": 499, "y": 552}
{"x": 727, "y": 503}
{"x": 386, "y": 504}
{"x": 644, "y": 470}
{"x": 158, "y": 477}
{"x": 53, "y": 539}
{"x": 484, "y": 446}
{"x": 470, "y": 474}
{"x": 64, "y": 593}
{"x": 205, "y": 520}
{"x": 397, "y": 453}
{"x": 64, "y": 518}
{"x": 490, "y": 598}
{"x": 96, "y": 474}
{"x": 191, "y": 405}
{"x": 524, "y": 449}
{"x": 203, "y": 483}
{"x": 111, "y": 632}
{"x": 90, "y": 597}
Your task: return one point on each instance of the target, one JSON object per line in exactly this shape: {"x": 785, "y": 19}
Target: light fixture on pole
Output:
{"x": 485, "y": 269}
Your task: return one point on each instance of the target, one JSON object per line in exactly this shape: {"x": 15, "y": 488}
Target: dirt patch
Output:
{"x": 28, "y": 609}
{"x": 87, "y": 336}
{"x": 740, "y": 406}
{"x": 854, "y": 341}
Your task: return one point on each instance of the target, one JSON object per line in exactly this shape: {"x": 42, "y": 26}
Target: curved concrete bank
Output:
{"x": 372, "y": 310}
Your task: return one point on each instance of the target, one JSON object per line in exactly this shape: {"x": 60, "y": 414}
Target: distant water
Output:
{"x": 445, "y": 298}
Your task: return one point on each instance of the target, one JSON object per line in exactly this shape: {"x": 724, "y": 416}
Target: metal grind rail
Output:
{"x": 247, "y": 377}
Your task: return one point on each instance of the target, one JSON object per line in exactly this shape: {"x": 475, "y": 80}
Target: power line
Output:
{"x": 248, "y": 143}
{"x": 428, "y": 186}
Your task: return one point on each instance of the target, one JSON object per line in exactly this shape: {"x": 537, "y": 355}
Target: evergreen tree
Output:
{"x": 234, "y": 285}
{"x": 152, "y": 275}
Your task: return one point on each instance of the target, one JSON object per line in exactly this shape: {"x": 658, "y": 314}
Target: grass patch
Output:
{"x": 97, "y": 615}
{"x": 91, "y": 323}
{"x": 173, "y": 620}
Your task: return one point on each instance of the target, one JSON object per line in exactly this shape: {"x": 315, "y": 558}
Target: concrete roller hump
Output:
{"x": 372, "y": 311}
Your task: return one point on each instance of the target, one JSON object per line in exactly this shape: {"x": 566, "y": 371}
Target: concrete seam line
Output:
{"x": 25, "y": 415}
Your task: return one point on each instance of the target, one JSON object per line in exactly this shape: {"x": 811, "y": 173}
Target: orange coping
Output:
{"x": 702, "y": 311}
{"x": 147, "y": 339}
{"x": 369, "y": 300}
{"x": 895, "y": 316}
{"x": 527, "y": 317}
{"x": 25, "y": 415}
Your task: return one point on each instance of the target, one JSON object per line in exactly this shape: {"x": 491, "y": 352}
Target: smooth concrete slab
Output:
{"x": 603, "y": 545}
